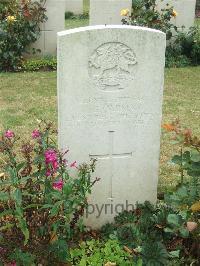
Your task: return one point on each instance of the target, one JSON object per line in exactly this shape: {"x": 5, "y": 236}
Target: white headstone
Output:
{"x": 107, "y": 11}
{"x": 75, "y": 6}
{"x": 110, "y": 87}
{"x": 185, "y": 10}
{"x": 47, "y": 42}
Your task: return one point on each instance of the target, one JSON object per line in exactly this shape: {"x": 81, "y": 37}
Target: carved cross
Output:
{"x": 111, "y": 156}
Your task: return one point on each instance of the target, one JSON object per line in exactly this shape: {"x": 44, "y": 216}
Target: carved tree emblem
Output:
{"x": 111, "y": 66}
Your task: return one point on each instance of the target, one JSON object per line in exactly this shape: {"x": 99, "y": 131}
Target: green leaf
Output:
{"x": 168, "y": 230}
{"x": 17, "y": 196}
{"x": 6, "y": 212}
{"x": 182, "y": 191}
{"x": 54, "y": 211}
{"x": 47, "y": 206}
{"x": 139, "y": 262}
{"x": 7, "y": 226}
{"x": 56, "y": 195}
{"x": 20, "y": 166}
{"x": 23, "y": 226}
{"x": 60, "y": 250}
{"x": 174, "y": 254}
{"x": 67, "y": 189}
{"x": 4, "y": 196}
{"x": 186, "y": 156}
{"x": 177, "y": 159}
{"x": 193, "y": 173}
{"x": 195, "y": 156}
{"x": 5, "y": 183}
{"x": 173, "y": 219}
{"x": 18, "y": 211}
{"x": 24, "y": 179}
{"x": 32, "y": 206}
{"x": 184, "y": 232}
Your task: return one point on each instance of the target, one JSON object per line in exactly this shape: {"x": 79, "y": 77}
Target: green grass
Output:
{"x": 26, "y": 97}
{"x": 197, "y": 21}
{"x": 86, "y": 6}
{"x": 76, "y": 21}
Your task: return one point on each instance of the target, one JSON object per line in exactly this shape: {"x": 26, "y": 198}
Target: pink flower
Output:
{"x": 51, "y": 161}
{"x": 73, "y": 164}
{"x": 36, "y": 134}
{"x": 58, "y": 185}
{"x": 50, "y": 156}
{"x": 9, "y": 134}
{"x": 55, "y": 165}
{"x": 65, "y": 161}
{"x": 48, "y": 172}
{"x": 13, "y": 263}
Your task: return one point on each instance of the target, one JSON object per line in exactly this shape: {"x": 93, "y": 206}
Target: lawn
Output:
{"x": 76, "y": 21}
{"x": 26, "y": 97}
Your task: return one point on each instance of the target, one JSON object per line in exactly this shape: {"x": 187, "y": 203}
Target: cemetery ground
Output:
{"x": 41, "y": 202}
{"x": 31, "y": 96}
{"x": 26, "y": 97}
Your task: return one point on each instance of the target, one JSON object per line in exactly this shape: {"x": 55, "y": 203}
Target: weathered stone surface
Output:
{"x": 185, "y": 10}
{"x": 75, "y": 6}
{"x": 47, "y": 42}
{"x": 110, "y": 86}
{"x": 107, "y": 11}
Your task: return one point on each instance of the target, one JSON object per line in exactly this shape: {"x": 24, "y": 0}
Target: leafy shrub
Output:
{"x": 189, "y": 157}
{"x": 144, "y": 13}
{"x": 95, "y": 252}
{"x": 85, "y": 15}
{"x": 22, "y": 258}
{"x": 155, "y": 234}
{"x": 174, "y": 59}
{"x": 160, "y": 234}
{"x": 69, "y": 15}
{"x": 185, "y": 49}
{"x": 154, "y": 253}
{"x": 36, "y": 64}
{"x": 40, "y": 202}
{"x": 187, "y": 194}
{"x": 19, "y": 27}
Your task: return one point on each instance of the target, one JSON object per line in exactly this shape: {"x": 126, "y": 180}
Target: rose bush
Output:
{"x": 145, "y": 14}
{"x": 19, "y": 27}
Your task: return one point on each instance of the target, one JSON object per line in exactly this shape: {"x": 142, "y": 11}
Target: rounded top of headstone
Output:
{"x": 103, "y": 27}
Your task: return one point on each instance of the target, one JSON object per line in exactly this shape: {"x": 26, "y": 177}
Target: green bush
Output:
{"x": 19, "y": 27}
{"x": 173, "y": 59}
{"x": 22, "y": 258}
{"x": 95, "y": 252}
{"x": 161, "y": 233}
{"x": 41, "y": 203}
{"x": 69, "y": 15}
{"x": 37, "y": 64}
{"x": 185, "y": 49}
{"x": 156, "y": 234}
{"x": 144, "y": 13}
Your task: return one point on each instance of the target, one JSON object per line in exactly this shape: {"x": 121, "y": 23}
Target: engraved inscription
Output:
{"x": 111, "y": 66}
{"x": 100, "y": 110}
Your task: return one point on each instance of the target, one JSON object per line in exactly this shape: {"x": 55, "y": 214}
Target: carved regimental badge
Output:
{"x": 111, "y": 66}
